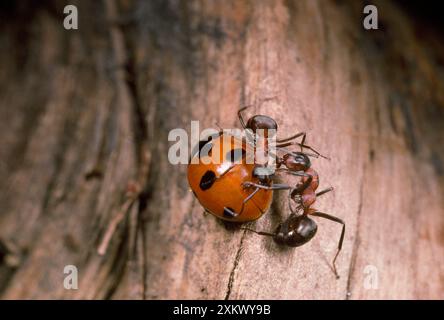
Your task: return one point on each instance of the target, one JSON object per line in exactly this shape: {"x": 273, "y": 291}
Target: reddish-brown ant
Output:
{"x": 298, "y": 229}
{"x": 261, "y": 122}
{"x": 295, "y": 163}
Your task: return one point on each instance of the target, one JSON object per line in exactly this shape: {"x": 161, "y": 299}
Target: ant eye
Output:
{"x": 207, "y": 180}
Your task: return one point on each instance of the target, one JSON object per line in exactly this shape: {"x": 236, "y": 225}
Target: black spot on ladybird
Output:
{"x": 207, "y": 180}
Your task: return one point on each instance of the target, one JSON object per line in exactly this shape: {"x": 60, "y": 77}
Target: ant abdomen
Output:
{"x": 295, "y": 231}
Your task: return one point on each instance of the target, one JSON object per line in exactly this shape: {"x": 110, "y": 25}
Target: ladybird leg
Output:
{"x": 341, "y": 239}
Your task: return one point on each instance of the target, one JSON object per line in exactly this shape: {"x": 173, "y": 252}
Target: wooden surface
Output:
{"x": 81, "y": 111}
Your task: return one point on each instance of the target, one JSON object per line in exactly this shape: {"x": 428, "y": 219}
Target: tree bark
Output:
{"x": 86, "y": 115}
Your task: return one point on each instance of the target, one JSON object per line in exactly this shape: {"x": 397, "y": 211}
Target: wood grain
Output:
{"x": 85, "y": 113}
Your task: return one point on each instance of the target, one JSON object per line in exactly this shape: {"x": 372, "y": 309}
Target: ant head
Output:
{"x": 264, "y": 174}
{"x": 296, "y": 230}
{"x": 261, "y": 123}
{"x": 296, "y": 161}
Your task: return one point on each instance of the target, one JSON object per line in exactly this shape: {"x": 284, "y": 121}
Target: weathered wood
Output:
{"x": 83, "y": 110}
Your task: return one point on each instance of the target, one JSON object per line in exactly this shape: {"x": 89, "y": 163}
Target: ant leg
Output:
{"x": 341, "y": 239}
{"x": 274, "y": 186}
{"x": 295, "y": 173}
{"x": 304, "y": 186}
{"x": 320, "y": 193}
{"x": 262, "y": 233}
{"x": 286, "y": 144}
{"x": 297, "y": 135}
{"x": 239, "y": 115}
{"x": 299, "y": 173}
{"x": 292, "y": 152}
{"x": 290, "y": 201}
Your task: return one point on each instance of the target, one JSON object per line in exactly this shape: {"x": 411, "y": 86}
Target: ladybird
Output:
{"x": 217, "y": 177}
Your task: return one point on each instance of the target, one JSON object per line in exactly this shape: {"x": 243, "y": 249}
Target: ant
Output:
{"x": 295, "y": 163}
{"x": 266, "y": 123}
{"x": 298, "y": 229}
